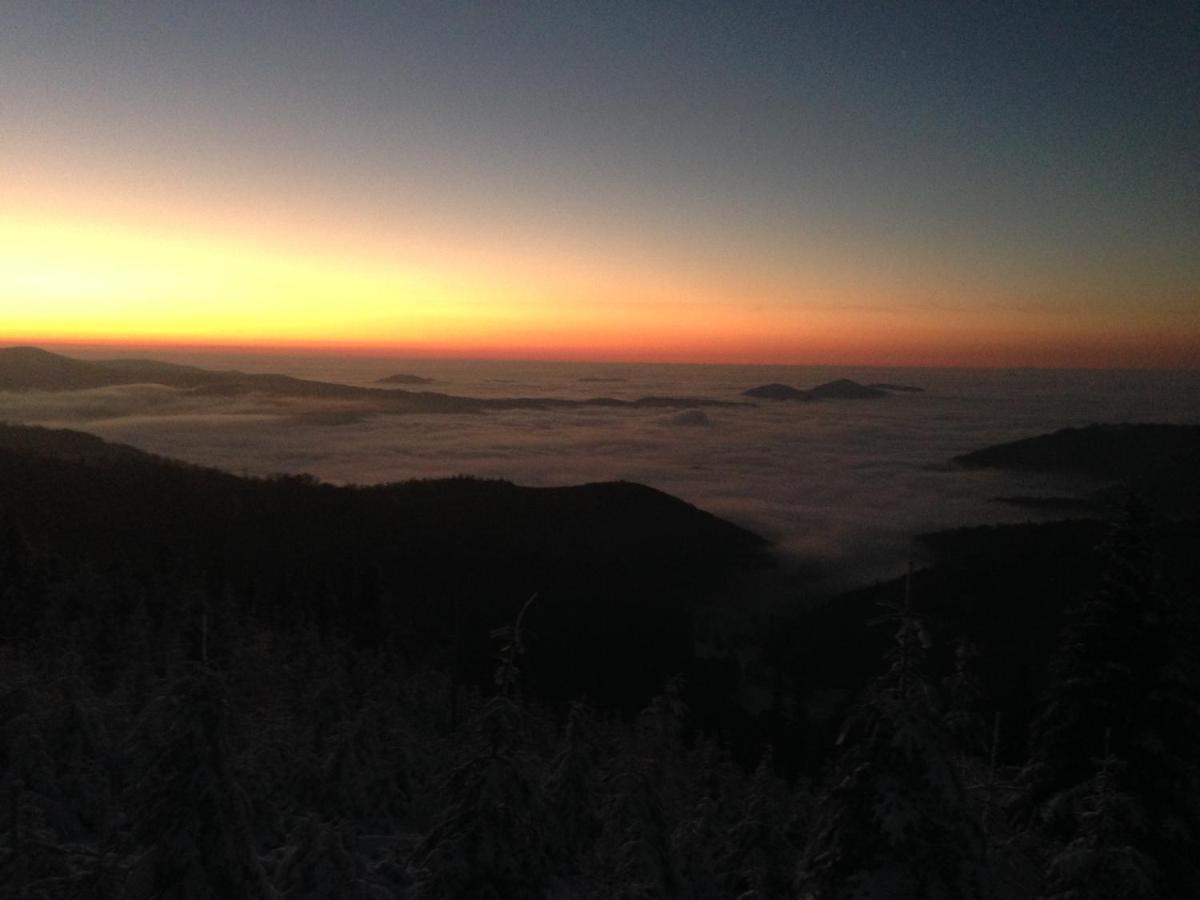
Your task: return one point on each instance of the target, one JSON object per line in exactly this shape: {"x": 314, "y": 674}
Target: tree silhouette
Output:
{"x": 190, "y": 815}
{"x": 572, "y": 792}
{"x": 1102, "y": 860}
{"x": 1124, "y": 677}
{"x": 895, "y": 822}
{"x": 757, "y": 858}
{"x": 490, "y": 841}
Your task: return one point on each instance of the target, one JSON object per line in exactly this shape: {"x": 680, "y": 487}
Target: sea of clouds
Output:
{"x": 840, "y": 487}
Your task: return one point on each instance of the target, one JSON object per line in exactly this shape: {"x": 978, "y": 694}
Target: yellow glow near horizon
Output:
{"x": 69, "y": 279}
{"x": 90, "y": 280}
{"x": 73, "y": 280}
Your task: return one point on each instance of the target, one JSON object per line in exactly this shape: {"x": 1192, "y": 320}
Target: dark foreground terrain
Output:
{"x": 214, "y": 686}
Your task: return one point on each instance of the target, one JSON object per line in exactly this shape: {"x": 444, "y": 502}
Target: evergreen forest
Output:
{"x": 229, "y": 687}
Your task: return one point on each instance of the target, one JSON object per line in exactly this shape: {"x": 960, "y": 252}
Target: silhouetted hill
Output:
{"x": 1158, "y": 461}
{"x": 1005, "y": 588}
{"x": 430, "y": 565}
{"x": 1104, "y": 451}
{"x": 776, "y": 391}
{"x": 74, "y": 446}
{"x": 841, "y": 389}
{"x": 28, "y": 368}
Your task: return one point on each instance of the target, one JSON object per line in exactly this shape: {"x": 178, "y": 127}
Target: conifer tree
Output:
{"x": 490, "y": 841}
{"x": 757, "y": 858}
{"x": 635, "y": 850}
{"x": 963, "y": 696}
{"x": 190, "y": 814}
{"x": 319, "y": 866}
{"x": 571, "y": 792}
{"x": 31, "y": 860}
{"x": 895, "y": 823}
{"x": 362, "y": 779}
{"x": 638, "y": 855}
{"x": 695, "y": 845}
{"x": 1124, "y": 676}
{"x": 1102, "y": 860}
{"x": 700, "y": 839}
{"x": 77, "y": 734}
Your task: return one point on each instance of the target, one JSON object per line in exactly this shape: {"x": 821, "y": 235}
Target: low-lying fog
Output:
{"x": 841, "y": 485}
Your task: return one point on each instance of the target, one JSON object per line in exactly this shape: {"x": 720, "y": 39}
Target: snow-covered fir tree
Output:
{"x": 1124, "y": 677}
{"x": 490, "y": 840}
{"x": 635, "y": 853}
{"x": 190, "y": 815}
{"x": 572, "y": 792}
{"x": 757, "y": 859}
{"x": 1102, "y": 860}
{"x": 895, "y": 823}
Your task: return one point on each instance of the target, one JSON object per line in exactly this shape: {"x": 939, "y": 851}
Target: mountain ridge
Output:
{"x": 621, "y": 568}
{"x": 838, "y": 389}
{"x": 1158, "y": 461}
{"x": 31, "y": 368}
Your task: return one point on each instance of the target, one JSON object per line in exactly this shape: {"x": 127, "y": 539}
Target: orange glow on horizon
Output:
{"x": 1149, "y": 352}
{"x": 132, "y": 281}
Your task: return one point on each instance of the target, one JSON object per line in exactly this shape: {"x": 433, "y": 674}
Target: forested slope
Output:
{"x": 213, "y": 686}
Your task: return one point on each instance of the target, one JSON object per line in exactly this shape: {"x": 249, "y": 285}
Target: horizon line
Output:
{"x": 384, "y": 351}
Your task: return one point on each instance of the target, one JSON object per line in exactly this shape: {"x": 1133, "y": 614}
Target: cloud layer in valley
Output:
{"x": 840, "y": 486}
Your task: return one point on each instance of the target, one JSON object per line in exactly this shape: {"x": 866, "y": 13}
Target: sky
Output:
{"x": 870, "y": 183}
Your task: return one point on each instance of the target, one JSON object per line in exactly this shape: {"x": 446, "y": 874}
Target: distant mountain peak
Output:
{"x": 1156, "y": 460}
{"x": 28, "y": 350}
{"x": 33, "y": 355}
{"x": 23, "y": 369}
{"x": 845, "y": 389}
{"x": 777, "y": 391}
{"x": 839, "y": 389}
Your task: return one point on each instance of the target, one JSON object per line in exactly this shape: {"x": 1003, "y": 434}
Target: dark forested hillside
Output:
{"x": 213, "y": 686}
{"x": 619, "y": 568}
{"x": 1157, "y": 461}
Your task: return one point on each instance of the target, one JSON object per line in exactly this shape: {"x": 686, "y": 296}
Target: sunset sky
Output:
{"x": 911, "y": 183}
